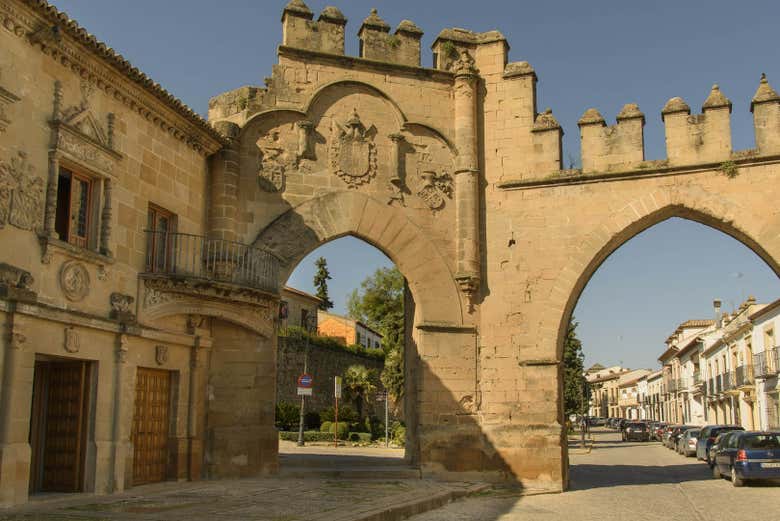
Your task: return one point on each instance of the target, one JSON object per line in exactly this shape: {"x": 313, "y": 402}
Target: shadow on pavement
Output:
{"x": 585, "y": 477}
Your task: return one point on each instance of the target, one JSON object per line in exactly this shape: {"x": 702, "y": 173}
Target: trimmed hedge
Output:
{"x": 363, "y": 437}
{"x": 307, "y": 436}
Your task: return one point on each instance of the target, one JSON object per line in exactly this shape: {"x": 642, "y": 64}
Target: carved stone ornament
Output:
{"x": 161, "y": 354}
{"x": 352, "y": 152}
{"x": 15, "y": 277}
{"x": 72, "y": 342}
{"x": 122, "y": 307}
{"x": 74, "y": 280}
{"x": 21, "y": 194}
{"x": 275, "y": 159}
{"x": 436, "y": 189}
{"x": 464, "y": 65}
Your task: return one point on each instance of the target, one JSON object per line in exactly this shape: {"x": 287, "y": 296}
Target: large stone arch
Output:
{"x": 723, "y": 213}
{"x": 302, "y": 229}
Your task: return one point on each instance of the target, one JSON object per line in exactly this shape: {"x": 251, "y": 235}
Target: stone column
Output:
{"x": 194, "y": 440}
{"x": 467, "y": 175}
{"x": 105, "y": 219}
{"x": 224, "y": 185}
{"x": 15, "y": 450}
{"x": 50, "y": 212}
{"x": 118, "y": 438}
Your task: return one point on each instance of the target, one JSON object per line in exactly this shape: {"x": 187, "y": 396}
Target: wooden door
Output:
{"x": 150, "y": 425}
{"x": 59, "y": 425}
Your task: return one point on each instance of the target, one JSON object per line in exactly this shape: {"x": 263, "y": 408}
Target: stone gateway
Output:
{"x": 158, "y": 241}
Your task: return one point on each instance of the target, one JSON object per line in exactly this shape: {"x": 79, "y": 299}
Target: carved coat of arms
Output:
{"x": 352, "y": 152}
{"x": 274, "y": 162}
{"x": 161, "y": 354}
{"x": 435, "y": 189}
{"x": 21, "y": 194}
{"x": 72, "y": 343}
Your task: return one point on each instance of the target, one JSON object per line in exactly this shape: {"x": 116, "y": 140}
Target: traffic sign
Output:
{"x": 305, "y": 381}
{"x": 304, "y": 391}
{"x": 337, "y": 387}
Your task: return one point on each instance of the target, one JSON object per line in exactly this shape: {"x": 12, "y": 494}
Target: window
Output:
{"x": 74, "y": 218}
{"x": 305, "y": 318}
{"x": 160, "y": 225}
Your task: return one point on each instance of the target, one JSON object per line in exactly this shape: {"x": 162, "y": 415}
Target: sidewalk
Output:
{"x": 352, "y": 496}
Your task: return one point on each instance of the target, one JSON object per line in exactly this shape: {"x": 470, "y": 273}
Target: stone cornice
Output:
{"x": 352, "y": 62}
{"x": 52, "y": 31}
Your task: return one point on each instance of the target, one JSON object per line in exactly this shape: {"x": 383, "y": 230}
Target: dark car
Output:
{"x": 686, "y": 445}
{"x": 667, "y": 434}
{"x": 707, "y": 438}
{"x": 658, "y": 431}
{"x": 748, "y": 456}
{"x": 675, "y": 434}
{"x": 637, "y": 431}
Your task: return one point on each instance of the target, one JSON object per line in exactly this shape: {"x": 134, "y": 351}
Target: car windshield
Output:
{"x": 692, "y": 433}
{"x": 720, "y": 430}
{"x": 760, "y": 441}
{"x": 636, "y": 426}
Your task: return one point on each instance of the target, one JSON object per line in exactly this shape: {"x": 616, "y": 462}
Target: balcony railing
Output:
{"x": 766, "y": 363}
{"x": 711, "y": 386}
{"x": 729, "y": 381}
{"x": 744, "y": 375}
{"x": 719, "y": 384}
{"x": 187, "y": 255}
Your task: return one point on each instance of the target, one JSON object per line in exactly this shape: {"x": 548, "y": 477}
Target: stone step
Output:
{"x": 361, "y": 472}
{"x": 424, "y": 500}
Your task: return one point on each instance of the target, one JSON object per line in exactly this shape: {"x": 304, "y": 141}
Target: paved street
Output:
{"x": 626, "y": 481}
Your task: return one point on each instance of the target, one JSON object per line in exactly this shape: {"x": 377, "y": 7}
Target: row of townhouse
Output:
{"x": 723, "y": 370}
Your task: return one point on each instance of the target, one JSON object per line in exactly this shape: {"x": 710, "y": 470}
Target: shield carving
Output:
{"x": 353, "y": 152}
{"x": 161, "y": 354}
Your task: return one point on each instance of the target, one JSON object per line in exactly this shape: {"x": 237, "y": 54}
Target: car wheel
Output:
{"x": 735, "y": 480}
{"x": 715, "y": 472}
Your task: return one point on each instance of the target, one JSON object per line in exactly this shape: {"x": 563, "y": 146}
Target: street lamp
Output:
{"x": 309, "y": 325}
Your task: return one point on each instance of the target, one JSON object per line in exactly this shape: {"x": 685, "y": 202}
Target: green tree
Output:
{"x": 359, "y": 386}
{"x": 574, "y": 385}
{"x": 379, "y": 303}
{"x": 321, "y": 279}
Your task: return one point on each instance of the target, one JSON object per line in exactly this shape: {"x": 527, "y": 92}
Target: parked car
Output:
{"x": 675, "y": 434}
{"x": 707, "y": 438}
{"x": 667, "y": 434}
{"x": 637, "y": 431}
{"x": 686, "y": 445}
{"x": 658, "y": 430}
{"x": 748, "y": 456}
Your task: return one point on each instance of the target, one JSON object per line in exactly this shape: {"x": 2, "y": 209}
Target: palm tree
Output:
{"x": 359, "y": 385}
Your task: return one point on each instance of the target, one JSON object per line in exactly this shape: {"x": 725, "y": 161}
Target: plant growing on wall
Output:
{"x": 321, "y": 278}
{"x": 359, "y": 386}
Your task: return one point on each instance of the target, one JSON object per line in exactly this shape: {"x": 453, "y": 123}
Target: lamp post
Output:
{"x": 309, "y": 328}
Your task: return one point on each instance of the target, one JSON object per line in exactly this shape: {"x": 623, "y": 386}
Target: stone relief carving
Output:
{"x": 122, "y": 307}
{"x": 352, "y": 151}
{"x": 275, "y": 159}
{"x": 464, "y": 64}
{"x": 21, "y": 194}
{"x": 15, "y": 277}
{"x": 161, "y": 354}
{"x": 74, "y": 280}
{"x": 435, "y": 189}
{"x": 72, "y": 341}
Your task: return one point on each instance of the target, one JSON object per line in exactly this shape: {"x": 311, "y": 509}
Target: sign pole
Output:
{"x": 387, "y": 430}
{"x": 336, "y": 395}
{"x": 301, "y": 443}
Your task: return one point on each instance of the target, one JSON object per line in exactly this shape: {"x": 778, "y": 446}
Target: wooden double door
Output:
{"x": 151, "y": 420}
{"x": 58, "y": 425}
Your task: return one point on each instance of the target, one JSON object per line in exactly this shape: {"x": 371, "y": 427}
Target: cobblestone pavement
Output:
{"x": 626, "y": 481}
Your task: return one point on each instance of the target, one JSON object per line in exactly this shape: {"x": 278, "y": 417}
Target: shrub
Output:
{"x": 325, "y": 426}
{"x": 346, "y": 414}
{"x": 287, "y": 416}
{"x": 398, "y": 433}
{"x": 362, "y": 437}
{"x": 343, "y": 430}
{"x": 311, "y": 420}
{"x": 308, "y": 436}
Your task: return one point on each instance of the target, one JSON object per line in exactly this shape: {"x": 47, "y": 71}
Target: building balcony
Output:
{"x": 187, "y": 256}
{"x": 744, "y": 376}
{"x": 767, "y": 363}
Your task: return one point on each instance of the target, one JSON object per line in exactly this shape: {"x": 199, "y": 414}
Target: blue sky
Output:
{"x": 586, "y": 54}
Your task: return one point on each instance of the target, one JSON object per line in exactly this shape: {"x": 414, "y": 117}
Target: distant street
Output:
{"x": 626, "y": 481}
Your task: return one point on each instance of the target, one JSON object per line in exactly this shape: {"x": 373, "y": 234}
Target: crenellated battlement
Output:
{"x": 299, "y": 29}
{"x": 609, "y": 147}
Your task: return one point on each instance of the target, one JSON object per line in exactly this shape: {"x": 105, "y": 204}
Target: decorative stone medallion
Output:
{"x": 72, "y": 342}
{"x": 74, "y": 280}
{"x": 274, "y": 160}
{"x": 352, "y": 152}
{"x": 161, "y": 354}
{"x": 436, "y": 188}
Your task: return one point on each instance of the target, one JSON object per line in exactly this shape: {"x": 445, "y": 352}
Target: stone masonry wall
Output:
{"x": 323, "y": 365}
